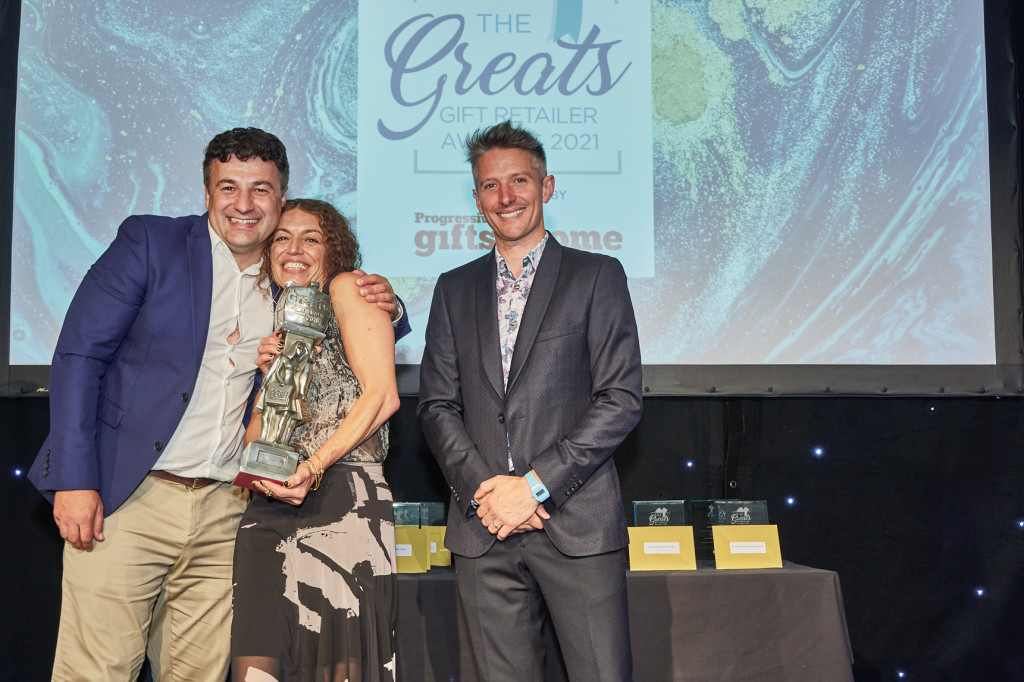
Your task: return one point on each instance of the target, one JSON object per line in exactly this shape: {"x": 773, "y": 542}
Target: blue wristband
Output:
{"x": 537, "y": 489}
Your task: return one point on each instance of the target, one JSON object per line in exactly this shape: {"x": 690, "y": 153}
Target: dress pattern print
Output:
{"x": 315, "y": 584}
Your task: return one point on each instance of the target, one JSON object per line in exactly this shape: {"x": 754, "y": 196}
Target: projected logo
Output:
{"x": 578, "y": 75}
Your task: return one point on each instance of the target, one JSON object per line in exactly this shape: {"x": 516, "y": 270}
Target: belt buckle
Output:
{"x": 195, "y": 483}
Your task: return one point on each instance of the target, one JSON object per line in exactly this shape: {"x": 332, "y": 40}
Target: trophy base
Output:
{"x": 262, "y": 461}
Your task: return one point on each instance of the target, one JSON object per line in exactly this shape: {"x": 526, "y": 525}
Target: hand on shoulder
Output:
{"x": 349, "y": 301}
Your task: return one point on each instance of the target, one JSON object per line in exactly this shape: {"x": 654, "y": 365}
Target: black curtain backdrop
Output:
{"x": 917, "y": 503}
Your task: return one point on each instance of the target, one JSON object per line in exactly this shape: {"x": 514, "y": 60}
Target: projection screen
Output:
{"x": 801, "y": 193}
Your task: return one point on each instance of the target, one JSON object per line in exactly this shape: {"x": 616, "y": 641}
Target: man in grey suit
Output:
{"x": 530, "y": 379}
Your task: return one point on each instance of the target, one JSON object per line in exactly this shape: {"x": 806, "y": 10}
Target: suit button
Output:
{"x": 158, "y": 446}
{"x": 501, "y": 417}
{"x": 184, "y": 397}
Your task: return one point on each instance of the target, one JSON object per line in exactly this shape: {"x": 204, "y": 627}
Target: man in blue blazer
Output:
{"x": 530, "y": 378}
{"x": 150, "y": 379}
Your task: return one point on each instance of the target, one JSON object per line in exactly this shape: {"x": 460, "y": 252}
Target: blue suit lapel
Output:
{"x": 200, "y": 268}
{"x": 486, "y": 320}
{"x": 536, "y": 307}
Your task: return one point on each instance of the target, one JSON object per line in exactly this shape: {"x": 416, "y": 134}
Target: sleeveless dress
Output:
{"x": 315, "y": 585}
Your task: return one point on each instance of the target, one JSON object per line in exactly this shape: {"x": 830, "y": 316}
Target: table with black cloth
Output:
{"x": 705, "y": 625}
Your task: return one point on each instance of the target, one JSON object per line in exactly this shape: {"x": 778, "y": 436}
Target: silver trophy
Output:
{"x": 303, "y": 313}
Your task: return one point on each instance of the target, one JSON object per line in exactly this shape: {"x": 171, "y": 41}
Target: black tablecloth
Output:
{"x": 705, "y": 625}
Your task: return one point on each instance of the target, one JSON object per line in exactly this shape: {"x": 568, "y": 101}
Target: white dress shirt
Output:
{"x": 208, "y": 440}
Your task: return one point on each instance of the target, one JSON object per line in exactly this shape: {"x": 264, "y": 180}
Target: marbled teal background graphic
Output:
{"x": 824, "y": 168}
{"x": 821, "y": 167}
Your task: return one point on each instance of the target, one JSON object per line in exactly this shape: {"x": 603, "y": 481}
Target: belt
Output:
{"x": 187, "y": 482}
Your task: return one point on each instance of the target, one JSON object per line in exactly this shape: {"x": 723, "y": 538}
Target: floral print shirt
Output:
{"x": 512, "y": 295}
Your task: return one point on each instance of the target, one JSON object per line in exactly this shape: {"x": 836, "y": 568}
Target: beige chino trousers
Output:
{"x": 158, "y": 585}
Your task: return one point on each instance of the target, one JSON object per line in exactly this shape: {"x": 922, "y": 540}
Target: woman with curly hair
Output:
{"x": 315, "y": 583}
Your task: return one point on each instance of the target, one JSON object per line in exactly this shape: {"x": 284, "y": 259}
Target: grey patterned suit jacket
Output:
{"x": 574, "y": 393}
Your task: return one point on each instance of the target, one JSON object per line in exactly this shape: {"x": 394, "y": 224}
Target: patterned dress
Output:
{"x": 315, "y": 585}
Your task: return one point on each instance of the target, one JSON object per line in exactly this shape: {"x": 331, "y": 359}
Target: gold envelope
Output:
{"x": 747, "y": 547}
{"x": 439, "y": 556}
{"x": 661, "y": 548}
{"x": 412, "y": 547}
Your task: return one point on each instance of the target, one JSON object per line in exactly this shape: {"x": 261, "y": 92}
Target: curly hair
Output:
{"x": 505, "y": 135}
{"x": 341, "y": 250}
{"x": 245, "y": 144}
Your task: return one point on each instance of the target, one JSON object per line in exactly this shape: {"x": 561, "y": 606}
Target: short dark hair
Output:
{"x": 505, "y": 135}
{"x": 341, "y": 250}
{"x": 244, "y": 144}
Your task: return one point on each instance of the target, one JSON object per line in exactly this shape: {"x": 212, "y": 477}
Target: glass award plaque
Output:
{"x": 432, "y": 513}
{"x": 419, "y": 513}
{"x": 659, "y": 513}
{"x": 705, "y": 514}
{"x": 407, "y": 513}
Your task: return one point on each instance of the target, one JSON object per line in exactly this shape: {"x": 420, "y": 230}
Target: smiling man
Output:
{"x": 153, "y": 369}
{"x": 244, "y": 199}
{"x": 530, "y": 379}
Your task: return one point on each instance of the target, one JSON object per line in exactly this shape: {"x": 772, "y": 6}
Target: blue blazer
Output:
{"x": 127, "y": 358}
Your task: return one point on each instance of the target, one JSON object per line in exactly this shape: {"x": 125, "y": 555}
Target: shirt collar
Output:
{"x": 533, "y": 258}
{"x": 218, "y": 249}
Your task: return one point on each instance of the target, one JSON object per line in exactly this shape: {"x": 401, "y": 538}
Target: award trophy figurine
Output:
{"x": 303, "y": 314}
